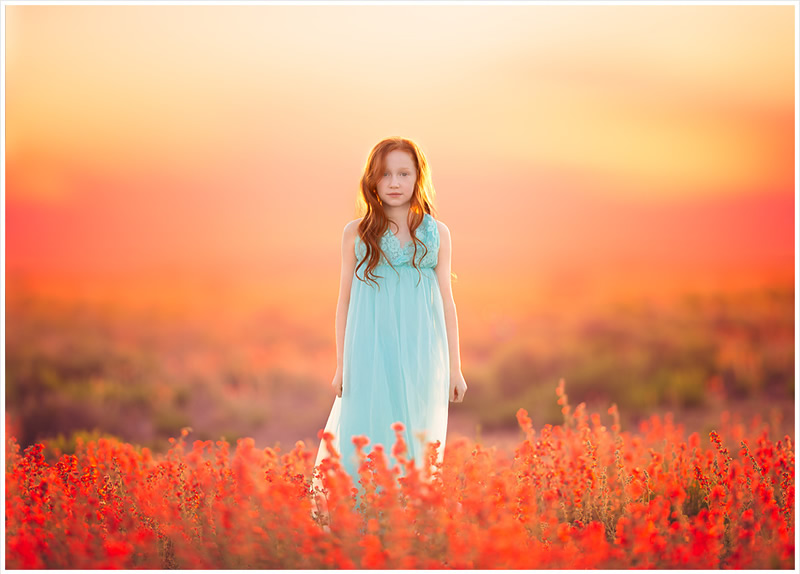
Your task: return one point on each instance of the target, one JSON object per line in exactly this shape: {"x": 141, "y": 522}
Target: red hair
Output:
{"x": 375, "y": 223}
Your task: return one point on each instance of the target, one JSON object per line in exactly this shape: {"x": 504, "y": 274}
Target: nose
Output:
{"x": 395, "y": 182}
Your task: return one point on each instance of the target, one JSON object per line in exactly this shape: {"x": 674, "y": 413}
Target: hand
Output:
{"x": 458, "y": 386}
{"x": 337, "y": 382}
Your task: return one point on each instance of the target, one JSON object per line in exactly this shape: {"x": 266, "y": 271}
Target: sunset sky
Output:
{"x": 213, "y": 153}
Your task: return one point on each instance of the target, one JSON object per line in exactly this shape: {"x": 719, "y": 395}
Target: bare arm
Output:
{"x": 457, "y": 384}
{"x": 345, "y": 282}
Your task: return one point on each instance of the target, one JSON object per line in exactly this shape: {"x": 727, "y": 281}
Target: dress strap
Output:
{"x": 431, "y": 233}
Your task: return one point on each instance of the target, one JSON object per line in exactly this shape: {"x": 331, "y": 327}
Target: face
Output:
{"x": 396, "y": 185}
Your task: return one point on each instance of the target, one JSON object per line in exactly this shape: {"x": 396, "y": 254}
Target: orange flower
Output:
{"x": 551, "y": 504}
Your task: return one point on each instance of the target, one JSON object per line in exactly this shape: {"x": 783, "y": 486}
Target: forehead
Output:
{"x": 399, "y": 159}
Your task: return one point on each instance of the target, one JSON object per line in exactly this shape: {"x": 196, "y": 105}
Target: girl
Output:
{"x": 397, "y": 345}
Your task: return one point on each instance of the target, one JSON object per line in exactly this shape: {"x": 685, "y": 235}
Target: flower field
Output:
{"x": 576, "y": 495}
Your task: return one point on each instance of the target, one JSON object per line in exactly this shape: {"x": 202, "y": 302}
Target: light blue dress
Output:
{"x": 395, "y": 359}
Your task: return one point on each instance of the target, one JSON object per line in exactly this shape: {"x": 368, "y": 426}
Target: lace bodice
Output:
{"x": 427, "y": 232}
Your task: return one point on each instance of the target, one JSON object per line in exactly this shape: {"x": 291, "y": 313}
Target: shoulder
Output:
{"x": 351, "y": 228}
{"x": 350, "y": 235}
{"x": 444, "y": 231}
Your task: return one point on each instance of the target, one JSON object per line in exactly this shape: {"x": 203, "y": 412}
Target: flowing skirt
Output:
{"x": 396, "y": 368}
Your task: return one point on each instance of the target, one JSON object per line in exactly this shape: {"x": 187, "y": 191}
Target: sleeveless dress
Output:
{"x": 395, "y": 359}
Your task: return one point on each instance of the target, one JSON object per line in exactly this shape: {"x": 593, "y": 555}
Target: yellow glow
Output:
{"x": 230, "y": 139}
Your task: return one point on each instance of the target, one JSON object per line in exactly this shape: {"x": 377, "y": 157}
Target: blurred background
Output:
{"x": 619, "y": 182}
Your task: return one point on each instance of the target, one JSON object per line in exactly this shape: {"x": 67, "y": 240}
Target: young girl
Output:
{"x": 397, "y": 345}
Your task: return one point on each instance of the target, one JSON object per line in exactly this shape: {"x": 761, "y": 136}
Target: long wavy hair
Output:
{"x": 375, "y": 222}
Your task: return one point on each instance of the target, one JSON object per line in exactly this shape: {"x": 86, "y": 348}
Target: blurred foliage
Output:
{"x": 685, "y": 356}
{"x": 142, "y": 377}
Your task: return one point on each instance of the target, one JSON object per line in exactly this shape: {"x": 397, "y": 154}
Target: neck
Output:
{"x": 397, "y": 215}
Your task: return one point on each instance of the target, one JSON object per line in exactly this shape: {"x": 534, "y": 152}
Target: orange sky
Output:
{"x": 175, "y": 152}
